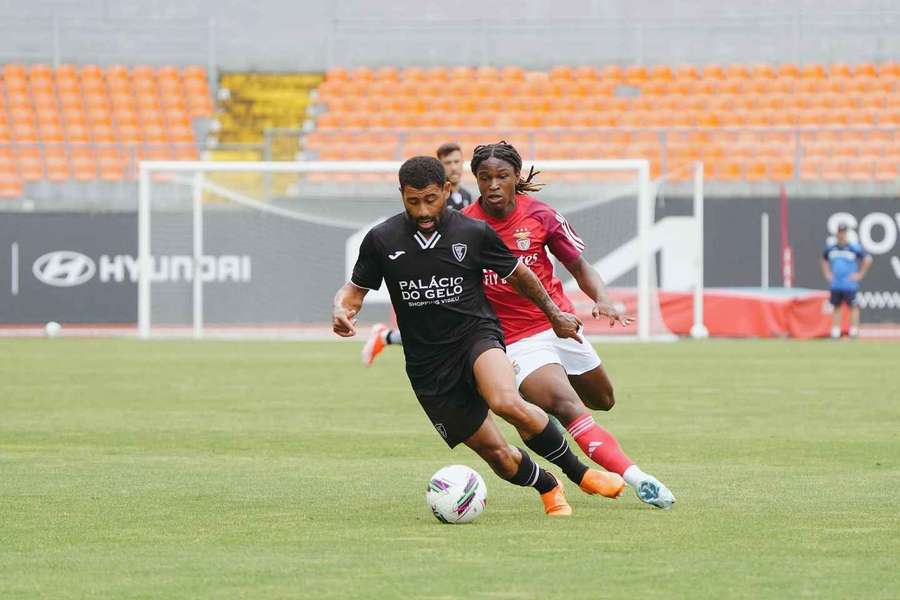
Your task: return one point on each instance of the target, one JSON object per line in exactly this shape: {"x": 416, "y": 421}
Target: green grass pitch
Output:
{"x": 287, "y": 470}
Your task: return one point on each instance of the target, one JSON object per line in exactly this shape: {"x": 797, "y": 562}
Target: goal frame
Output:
{"x": 640, "y": 168}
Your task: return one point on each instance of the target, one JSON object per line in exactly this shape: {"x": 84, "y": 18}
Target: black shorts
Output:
{"x": 839, "y": 297}
{"x": 459, "y": 412}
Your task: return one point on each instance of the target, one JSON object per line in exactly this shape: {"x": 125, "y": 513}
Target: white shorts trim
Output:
{"x": 544, "y": 348}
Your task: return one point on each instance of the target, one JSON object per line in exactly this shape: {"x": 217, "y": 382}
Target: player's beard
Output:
{"x": 432, "y": 224}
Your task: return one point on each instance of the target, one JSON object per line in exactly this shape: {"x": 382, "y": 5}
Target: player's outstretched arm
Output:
{"x": 525, "y": 282}
{"x": 591, "y": 283}
{"x": 347, "y": 303}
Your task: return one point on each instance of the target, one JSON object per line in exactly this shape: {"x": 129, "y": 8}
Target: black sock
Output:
{"x": 532, "y": 475}
{"x": 553, "y": 446}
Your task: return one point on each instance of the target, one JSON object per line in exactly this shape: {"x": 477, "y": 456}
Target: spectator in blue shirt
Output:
{"x": 844, "y": 264}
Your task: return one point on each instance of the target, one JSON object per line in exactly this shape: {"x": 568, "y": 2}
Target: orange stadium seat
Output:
{"x": 686, "y": 71}
{"x": 51, "y": 132}
{"x": 757, "y": 169}
{"x": 737, "y": 71}
{"x": 661, "y": 72}
{"x": 811, "y": 168}
{"x": 834, "y": 169}
{"x": 10, "y": 185}
{"x": 76, "y": 133}
{"x": 97, "y": 105}
{"x": 713, "y": 71}
{"x": 860, "y": 168}
{"x": 839, "y": 70}
{"x": 111, "y": 165}
{"x": 729, "y": 169}
{"x": 763, "y": 70}
{"x": 812, "y": 71}
{"x": 31, "y": 164}
{"x": 886, "y": 168}
{"x": 636, "y": 74}
{"x": 589, "y": 73}
{"x": 781, "y": 169}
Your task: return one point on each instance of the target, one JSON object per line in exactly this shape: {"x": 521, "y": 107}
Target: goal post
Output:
{"x": 183, "y": 204}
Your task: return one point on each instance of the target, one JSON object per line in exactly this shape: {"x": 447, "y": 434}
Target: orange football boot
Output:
{"x": 375, "y": 344}
{"x": 603, "y": 483}
{"x": 555, "y": 504}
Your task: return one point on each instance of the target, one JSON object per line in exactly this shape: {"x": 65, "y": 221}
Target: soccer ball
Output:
{"x": 456, "y": 494}
{"x": 52, "y": 329}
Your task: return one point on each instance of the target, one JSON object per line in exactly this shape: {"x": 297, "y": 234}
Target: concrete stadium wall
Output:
{"x": 312, "y": 35}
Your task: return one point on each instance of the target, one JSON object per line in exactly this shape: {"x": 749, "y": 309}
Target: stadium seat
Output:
{"x": 834, "y": 169}
{"x": 729, "y": 169}
{"x": 10, "y": 185}
{"x": 781, "y": 169}
{"x": 57, "y": 167}
{"x": 887, "y": 168}
{"x": 757, "y": 169}
{"x": 31, "y": 164}
{"x": 860, "y": 168}
{"x": 713, "y": 71}
{"x": 90, "y": 104}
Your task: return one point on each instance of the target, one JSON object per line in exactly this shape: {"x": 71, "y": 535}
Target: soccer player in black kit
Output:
{"x": 432, "y": 260}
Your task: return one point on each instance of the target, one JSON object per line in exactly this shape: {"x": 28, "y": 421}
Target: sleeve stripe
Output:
{"x": 577, "y": 241}
{"x": 516, "y": 266}
{"x": 362, "y": 287}
{"x": 569, "y": 231}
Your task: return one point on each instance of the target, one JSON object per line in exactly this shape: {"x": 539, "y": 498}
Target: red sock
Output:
{"x": 599, "y": 444}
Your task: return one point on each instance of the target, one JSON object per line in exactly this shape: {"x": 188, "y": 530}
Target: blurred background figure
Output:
{"x": 844, "y": 264}
{"x": 450, "y": 155}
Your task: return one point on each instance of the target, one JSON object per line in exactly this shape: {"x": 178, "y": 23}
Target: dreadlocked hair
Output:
{"x": 507, "y": 153}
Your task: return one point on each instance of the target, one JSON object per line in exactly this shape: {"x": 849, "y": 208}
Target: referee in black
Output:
{"x": 432, "y": 260}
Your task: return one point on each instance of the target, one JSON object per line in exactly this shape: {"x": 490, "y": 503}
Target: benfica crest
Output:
{"x": 523, "y": 239}
{"x": 459, "y": 251}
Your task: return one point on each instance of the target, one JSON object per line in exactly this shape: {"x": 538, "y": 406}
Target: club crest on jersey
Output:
{"x": 459, "y": 251}
{"x": 523, "y": 238}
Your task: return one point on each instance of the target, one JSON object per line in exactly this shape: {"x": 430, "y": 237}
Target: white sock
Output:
{"x": 392, "y": 336}
{"x": 854, "y": 331}
{"x": 633, "y": 476}
{"x": 835, "y": 332}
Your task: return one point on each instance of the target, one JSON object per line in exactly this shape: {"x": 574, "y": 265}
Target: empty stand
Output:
{"x": 88, "y": 122}
{"x": 254, "y": 102}
{"x": 776, "y": 102}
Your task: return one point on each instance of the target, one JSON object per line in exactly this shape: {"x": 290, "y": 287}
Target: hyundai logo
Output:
{"x": 64, "y": 268}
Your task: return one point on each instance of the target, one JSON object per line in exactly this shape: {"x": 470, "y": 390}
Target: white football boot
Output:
{"x": 654, "y": 493}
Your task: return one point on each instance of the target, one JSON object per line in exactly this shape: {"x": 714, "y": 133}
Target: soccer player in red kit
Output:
{"x": 565, "y": 378}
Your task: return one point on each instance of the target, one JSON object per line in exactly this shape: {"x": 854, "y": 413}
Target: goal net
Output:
{"x": 259, "y": 248}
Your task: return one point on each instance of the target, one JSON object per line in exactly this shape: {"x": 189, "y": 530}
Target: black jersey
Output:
{"x": 436, "y": 289}
{"x": 460, "y": 199}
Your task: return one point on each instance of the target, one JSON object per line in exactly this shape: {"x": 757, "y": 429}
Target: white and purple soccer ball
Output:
{"x": 456, "y": 494}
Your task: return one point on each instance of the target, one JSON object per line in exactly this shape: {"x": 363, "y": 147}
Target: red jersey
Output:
{"x": 530, "y": 231}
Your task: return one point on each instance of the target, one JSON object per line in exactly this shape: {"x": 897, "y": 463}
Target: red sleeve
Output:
{"x": 562, "y": 240}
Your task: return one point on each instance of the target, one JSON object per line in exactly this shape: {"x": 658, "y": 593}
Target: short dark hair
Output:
{"x": 448, "y": 148}
{"x": 421, "y": 171}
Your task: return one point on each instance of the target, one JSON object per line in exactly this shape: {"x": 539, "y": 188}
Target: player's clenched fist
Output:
{"x": 342, "y": 322}
{"x": 566, "y": 325}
